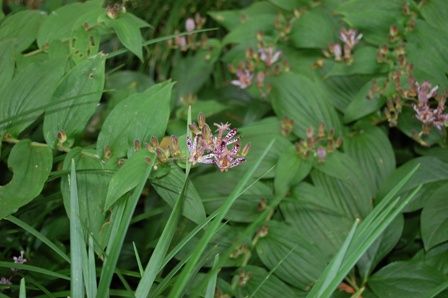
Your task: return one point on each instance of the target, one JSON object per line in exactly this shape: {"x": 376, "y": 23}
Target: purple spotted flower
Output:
{"x": 268, "y": 55}
{"x": 244, "y": 78}
{"x": 424, "y": 112}
{"x": 221, "y": 149}
{"x": 350, "y": 37}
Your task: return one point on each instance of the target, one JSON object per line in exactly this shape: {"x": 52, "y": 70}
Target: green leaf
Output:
{"x": 314, "y": 29}
{"x": 301, "y": 100}
{"x": 127, "y": 177}
{"x": 211, "y": 285}
{"x": 262, "y": 284}
{"x": 343, "y": 181}
{"x": 22, "y": 26}
{"x": 372, "y": 150}
{"x": 364, "y": 63}
{"x": 289, "y": 4}
{"x": 246, "y": 209}
{"x": 128, "y": 32}
{"x": 7, "y": 62}
{"x": 304, "y": 264}
{"x": 61, "y": 22}
{"x": 84, "y": 84}
{"x": 22, "y": 292}
{"x": 93, "y": 179}
{"x": 151, "y": 108}
{"x": 431, "y": 170}
{"x": 246, "y": 32}
{"x": 83, "y": 44}
{"x": 198, "y": 66}
{"x": 361, "y": 105}
{"x": 77, "y": 240}
{"x": 435, "y": 13}
{"x": 189, "y": 269}
{"x": 31, "y": 165}
{"x": 28, "y": 94}
{"x": 406, "y": 279}
{"x": 372, "y": 19}
{"x": 434, "y": 218}
{"x": 170, "y": 186}
{"x": 291, "y": 169}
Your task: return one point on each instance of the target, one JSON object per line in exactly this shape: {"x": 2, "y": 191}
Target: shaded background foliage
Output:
{"x": 89, "y": 82}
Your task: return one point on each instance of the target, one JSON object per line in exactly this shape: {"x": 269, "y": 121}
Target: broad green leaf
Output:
{"x": 149, "y": 109}
{"x": 127, "y": 177}
{"x": 342, "y": 179}
{"x": 431, "y": 170}
{"x": 84, "y": 44}
{"x": 198, "y": 67}
{"x": 61, "y": 22}
{"x": 435, "y": 13}
{"x": 301, "y": 100}
{"x": 364, "y": 63}
{"x": 84, "y": 86}
{"x": 246, "y": 209}
{"x": 206, "y": 107}
{"x": 169, "y": 187}
{"x": 317, "y": 217}
{"x": 92, "y": 179}
{"x": 22, "y": 26}
{"x": 434, "y": 218}
{"x": 26, "y": 97}
{"x": 31, "y": 164}
{"x": 262, "y": 284}
{"x": 343, "y": 90}
{"x": 361, "y": 105}
{"x": 406, "y": 279}
{"x": 372, "y": 150}
{"x": 304, "y": 264}
{"x": 316, "y": 28}
{"x": 290, "y": 170}
{"x": 431, "y": 41}
{"x": 7, "y": 62}
{"x": 128, "y": 32}
{"x": 381, "y": 247}
{"x": 246, "y": 32}
{"x": 289, "y": 4}
{"x": 372, "y": 18}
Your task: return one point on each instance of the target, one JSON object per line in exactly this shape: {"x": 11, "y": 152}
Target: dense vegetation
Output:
{"x": 278, "y": 148}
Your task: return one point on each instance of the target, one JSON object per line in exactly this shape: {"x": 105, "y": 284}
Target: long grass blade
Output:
{"x": 189, "y": 269}
{"x": 211, "y": 286}
{"x": 22, "y": 290}
{"x": 156, "y": 261}
{"x": 91, "y": 285}
{"x": 77, "y": 244}
{"x": 35, "y": 269}
{"x": 122, "y": 218}
{"x": 39, "y": 236}
{"x": 137, "y": 258}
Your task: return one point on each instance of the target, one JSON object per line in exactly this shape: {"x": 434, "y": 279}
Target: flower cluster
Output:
{"x": 6, "y": 281}
{"x": 318, "y": 145}
{"x": 350, "y": 38}
{"x": 258, "y": 65}
{"x": 166, "y": 149}
{"x": 184, "y": 43}
{"x": 222, "y": 149}
{"x": 427, "y": 115}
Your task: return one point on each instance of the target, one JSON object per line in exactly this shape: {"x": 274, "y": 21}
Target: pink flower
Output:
{"x": 336, "y": 51}
{"x": 190, "y": 25}
{"x": 244, "y": 78}
{"x": 350, "y": 37}
{"x": 425, "y": 91}
{"x": 222, "y": 149}
{"x": 268, "y": 55}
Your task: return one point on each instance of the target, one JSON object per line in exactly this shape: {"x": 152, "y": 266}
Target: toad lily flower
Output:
{"x": 424, "y": 112}
{"x": 268, "y": 55}
{"x": 350, "y": 38}
{"x": 244, "y": 78}
{"x": 222, "y": 149}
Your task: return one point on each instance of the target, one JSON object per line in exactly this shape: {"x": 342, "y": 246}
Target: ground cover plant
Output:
{"x": 278, "y": 148}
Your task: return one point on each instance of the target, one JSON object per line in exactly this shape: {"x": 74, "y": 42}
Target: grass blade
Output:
{"x": 189, "y": 269}
{"x": 367, "y": 233}
{"x": 137, "y": 257}
{"x": 91, "y": 285}
{"x": 38, "y": 235}
{"x": 211, "y": 286}
{"x": 77, "y": 244}
{"x": 122, "y": 218}
{"x": 156, "y": 261}
{"x": 22, "y": 291}
{"x": 35, "y": 269}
